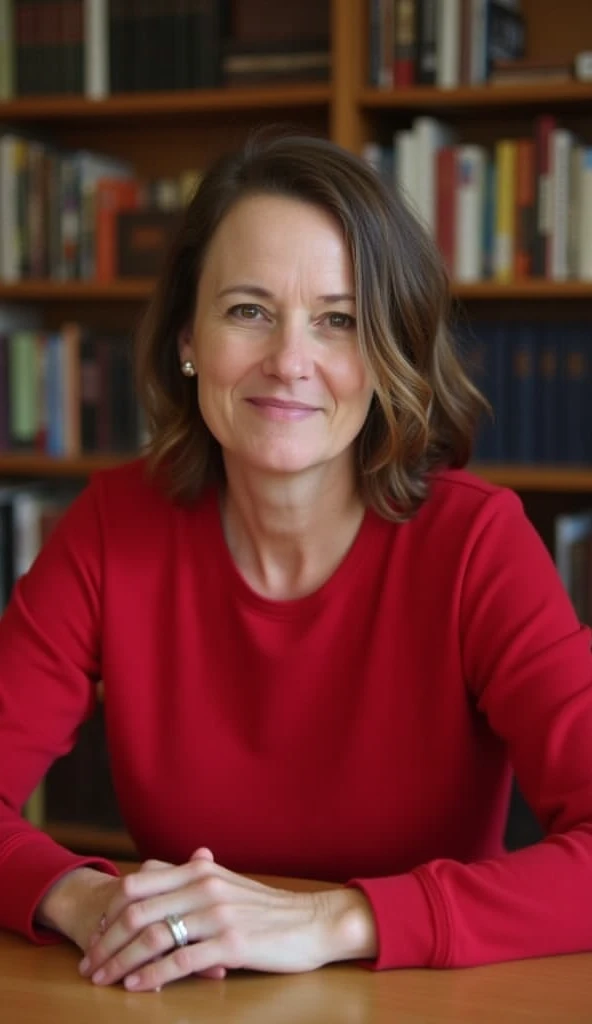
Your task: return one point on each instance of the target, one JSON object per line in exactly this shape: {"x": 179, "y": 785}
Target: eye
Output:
{"x": 245, "y": 311}
{"x": 341, "y": 321}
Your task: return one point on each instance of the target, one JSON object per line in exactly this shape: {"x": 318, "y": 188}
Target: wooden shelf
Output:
{"x": 138, "y": 290}
{"x": 26, "y": 464}
{"x": 469, "y": 97}
{"x": 91, "y": 839}
{"x": 149, "y": 105}
{"x": 132, "y": 290}
{"x": 527, "y": 288}
{"x": 524, "y": 478}
{"x": 537, "y": 478}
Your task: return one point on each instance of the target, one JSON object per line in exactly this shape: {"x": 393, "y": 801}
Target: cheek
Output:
{"x": 350, "y": 378}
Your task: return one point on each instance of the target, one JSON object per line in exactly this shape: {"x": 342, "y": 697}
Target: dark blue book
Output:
{"x": 521, "y": 392}
{"x": 576, "y": 393}
{"x": 547, "y": 396}
{"x": 490, "y": 356}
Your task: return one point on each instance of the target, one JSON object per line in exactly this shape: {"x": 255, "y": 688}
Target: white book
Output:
{"x": 572, "y": 531}
{"x": 470, "y": 199}
{"x": 584, "y": 260}
{"x": 448, "y": 44}
{"x": 405, "y": 167}
{"x": 430, "y": 135}
{"x": 96, "y": 49}
{"x": 562, "y": 142}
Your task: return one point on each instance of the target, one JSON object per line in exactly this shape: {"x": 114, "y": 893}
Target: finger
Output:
{"x": 151, "y": 944}
{"x": 202, "y": 853}
{"x": 154, "y": 881}
{"x": 201, "y": 958}
{"x": 155, "y": 865}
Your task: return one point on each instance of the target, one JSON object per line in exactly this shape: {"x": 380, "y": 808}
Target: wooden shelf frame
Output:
{"x": 517, "y": 476}
{"x": 483, "y": 97}
{"x": 149, "y": 105}
{"x": 140, "y": 289}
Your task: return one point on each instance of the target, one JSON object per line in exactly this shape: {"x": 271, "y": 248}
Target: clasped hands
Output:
{"x": 232, "y": 922}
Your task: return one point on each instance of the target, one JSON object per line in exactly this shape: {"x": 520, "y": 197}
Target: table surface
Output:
{"x": 41, "y": 985}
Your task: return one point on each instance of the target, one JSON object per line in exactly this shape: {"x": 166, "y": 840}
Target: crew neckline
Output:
{"x": 293, "y": 607}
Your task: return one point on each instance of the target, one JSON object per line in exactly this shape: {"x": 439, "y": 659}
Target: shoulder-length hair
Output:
{"x": 424, "y": 410}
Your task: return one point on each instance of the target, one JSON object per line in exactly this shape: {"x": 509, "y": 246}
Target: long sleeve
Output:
{"x": 49, "y": 664}
{"x": 528, "y": 667}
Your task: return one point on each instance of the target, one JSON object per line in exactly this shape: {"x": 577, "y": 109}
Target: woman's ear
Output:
{"x": 184, "y": 345}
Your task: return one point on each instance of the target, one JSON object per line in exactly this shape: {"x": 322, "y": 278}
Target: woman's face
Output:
{"x": 281, "y": 381}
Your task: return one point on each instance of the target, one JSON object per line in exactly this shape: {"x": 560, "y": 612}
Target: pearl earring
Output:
{"x": 187, "y": 368}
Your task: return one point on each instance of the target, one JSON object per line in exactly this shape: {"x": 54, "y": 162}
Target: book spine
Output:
{"x": 427, "y": 35}
{"x": 7, "y": 50}
{"x": 405, "y": 44}
{"x": 561, "y": 146}
{"x": 448, "y": 43}
{"x": 525, "y": 207}
{"x": 505, "y": 234}
{"x": 544, "y": 127}
{"x": 468, "y": 265}
{"x": 96, "y": 49}
{"x": 585, "y": 215}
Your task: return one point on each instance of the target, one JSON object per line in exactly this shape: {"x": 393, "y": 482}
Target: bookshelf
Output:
{"x": 162, "y": 133}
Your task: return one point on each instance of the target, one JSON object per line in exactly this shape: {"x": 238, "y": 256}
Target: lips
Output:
{"x": 280, "y": 403}
{"x": 282, "y": 410}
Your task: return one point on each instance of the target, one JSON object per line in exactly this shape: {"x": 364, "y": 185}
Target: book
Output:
{"x": 573, "y": 558}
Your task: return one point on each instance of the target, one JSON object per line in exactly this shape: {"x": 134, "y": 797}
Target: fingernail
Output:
{"x": 98, "y": 976}
{"x": 84, "y": 965}
{"x": 132, "y": 981}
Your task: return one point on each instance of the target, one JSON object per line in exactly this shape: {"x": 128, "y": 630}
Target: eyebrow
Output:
{"x": 262, "y": 293}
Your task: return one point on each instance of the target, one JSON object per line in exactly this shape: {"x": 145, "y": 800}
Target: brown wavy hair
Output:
{"x": 424, "y": 410}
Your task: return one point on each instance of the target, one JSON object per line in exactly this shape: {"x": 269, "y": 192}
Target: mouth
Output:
{"x": 282, "y": 409}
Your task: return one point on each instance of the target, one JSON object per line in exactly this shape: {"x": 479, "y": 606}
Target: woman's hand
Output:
{"x": 232, "y": 922}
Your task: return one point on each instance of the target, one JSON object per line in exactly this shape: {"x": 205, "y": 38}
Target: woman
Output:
{"x": 324, "y": 645}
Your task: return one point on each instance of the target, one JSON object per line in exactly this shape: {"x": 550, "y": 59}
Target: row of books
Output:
{"x": 68, "y": 215}
{"x": 522, "y": 208}
{"x": 67, "y": 393}
{"x": 538, "y": 380}
{"x": 446, "y": 43}
{"x": 99, "y": 47}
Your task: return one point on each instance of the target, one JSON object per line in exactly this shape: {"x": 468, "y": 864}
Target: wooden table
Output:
{"x": 40, "y": 985}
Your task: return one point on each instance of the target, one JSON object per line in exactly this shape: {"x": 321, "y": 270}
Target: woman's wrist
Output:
{"x": 352, "y": 925}
{"x": 62, "y": 906}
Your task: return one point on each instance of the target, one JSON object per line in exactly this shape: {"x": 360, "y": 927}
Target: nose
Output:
{"x": 289, "y": 355}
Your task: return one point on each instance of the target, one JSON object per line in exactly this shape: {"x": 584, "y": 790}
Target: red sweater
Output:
{"x": 363, "y": 733}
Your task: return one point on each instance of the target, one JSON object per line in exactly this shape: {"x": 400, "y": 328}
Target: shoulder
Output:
{"x": 458, "y": 495}
{"x": 461, "y": 513}
{"x": 129, "y": 496}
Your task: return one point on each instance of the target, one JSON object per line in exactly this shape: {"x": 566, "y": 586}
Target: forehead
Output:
{"x": 272, "y": 231}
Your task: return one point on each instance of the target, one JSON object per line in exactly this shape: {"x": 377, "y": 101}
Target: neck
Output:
{"x": 287, "y": 535}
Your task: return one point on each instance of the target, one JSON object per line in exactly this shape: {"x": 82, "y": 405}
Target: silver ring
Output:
{"x": 178, "y": 929}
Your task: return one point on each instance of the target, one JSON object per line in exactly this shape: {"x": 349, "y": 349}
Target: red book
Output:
{"x": 525, "y": 207}
{"x": 112, "y": 196}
